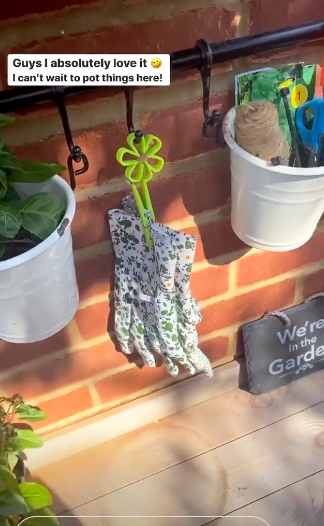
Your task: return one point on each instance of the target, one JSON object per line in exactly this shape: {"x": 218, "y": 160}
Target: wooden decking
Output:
{"x": 234, "y": 455}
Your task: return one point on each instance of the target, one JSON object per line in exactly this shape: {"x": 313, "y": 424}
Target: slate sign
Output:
{"x": 277, "y": 354}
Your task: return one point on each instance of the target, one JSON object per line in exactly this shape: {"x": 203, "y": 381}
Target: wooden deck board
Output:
{"x": 300, "y": 504}
{"x": 244, "y": 447}
{"x": 223, "y": 479}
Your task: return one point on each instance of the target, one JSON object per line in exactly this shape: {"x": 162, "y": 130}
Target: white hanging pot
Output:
{"x": 274, "y": 208}
{"x": 38, "y": 289}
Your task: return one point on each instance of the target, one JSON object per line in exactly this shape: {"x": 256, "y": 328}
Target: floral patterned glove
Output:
{"x": 175, "y": 253}
{"x": 129, "y": 251}
{"x": 149, "y": 289}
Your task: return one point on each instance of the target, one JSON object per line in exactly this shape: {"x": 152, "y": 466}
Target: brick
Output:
{"x": 37, "y": 7}
{"x": 180, "y": 126}
{"x": 210, "y": 282}
{"x": 90, "y": 225}
{"x": 264, "y": 17}
{"x": 65, "y": 406}
{"x": 192, "y": 192}
{"x": 215, "y": 239}
{"x": 12, "y": 354}
{"x": 157, "y": 35}
{"x": 95, "y": 276}
{"x": 265, "y": 265}
{"x": 101, "y": 143}
{"x": 173, "y": 198}
{"x": 124, "y": 386}
{"x": 46, "y": 109}
{"x": 95, "y": 320}
{"x": 313, "y": 284}
{"x": 55, "y": 374}
{"x": 246, "y": 306}
{"x": 138, "y": 2}
{"x": 264, "y": 14}
{"x": 215, "y": 348}
{"x": 289, "y": 54}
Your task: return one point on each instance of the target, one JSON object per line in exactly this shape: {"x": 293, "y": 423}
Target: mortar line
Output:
{"x": 94, "y": 395}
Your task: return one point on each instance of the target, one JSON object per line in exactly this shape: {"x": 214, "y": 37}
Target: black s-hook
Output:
{"x": 212, "y": 120}
{"x": 76, "y": 155}
{"x": 129, "y": 96}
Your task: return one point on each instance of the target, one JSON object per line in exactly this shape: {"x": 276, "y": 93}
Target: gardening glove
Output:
{"x": 147, "y": 306}
{"x": 188, "y": 312}
{"x": 176, "y": 311}
{"x": 129, "y": 321}
{"x": 135, "y": 276}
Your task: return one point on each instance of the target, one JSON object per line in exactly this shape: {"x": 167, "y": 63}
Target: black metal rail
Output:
{"x": 18, "y": 98}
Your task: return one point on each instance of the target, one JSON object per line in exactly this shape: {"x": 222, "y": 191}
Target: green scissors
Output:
{"x": 139, "y": 170}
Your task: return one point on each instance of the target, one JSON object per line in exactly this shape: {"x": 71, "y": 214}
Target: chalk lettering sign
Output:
{"x": 277, "y": 354}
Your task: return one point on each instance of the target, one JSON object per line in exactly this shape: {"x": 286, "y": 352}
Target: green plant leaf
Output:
{"x": 5, "y": 119}
{"x": 26, "y": 439}
{"x": 3, "y": 184}
{"x": 34, "y": 172}
{"x": 3, "y": 179}
{"x": 5, "y": 148}
{"x": 10, "y": 220}
{"x": 12, "y": 503}
{"x": 9, "y": 161}
{"x": 11, "y": 196}
{"x": 30, "y": 413}
{"x": 4, "y": 521}
{"x": 3, "y": 458}
{"x": 41, "y": 214}
{"x": 45, "y": 518}
{"x": 12, "y": 458}
{"x": 35, "y": 495}
{"x": 7, "y": 479}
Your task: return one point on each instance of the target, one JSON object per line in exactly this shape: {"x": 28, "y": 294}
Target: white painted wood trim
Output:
{"x": 133, "y": 415}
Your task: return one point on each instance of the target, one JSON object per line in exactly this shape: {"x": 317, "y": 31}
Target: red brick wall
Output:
{"x": 78, "y": 373}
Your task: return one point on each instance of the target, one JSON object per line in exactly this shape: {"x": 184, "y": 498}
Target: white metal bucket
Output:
{"x": 274, "y": 208}
{"x": 38, "y": 289}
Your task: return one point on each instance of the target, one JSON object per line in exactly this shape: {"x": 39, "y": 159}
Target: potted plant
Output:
{"x": 20, "y": 499}
{"x": 38, "y": 290}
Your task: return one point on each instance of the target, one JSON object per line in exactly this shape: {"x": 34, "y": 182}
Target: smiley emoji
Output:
{"x": 156, "y": 63}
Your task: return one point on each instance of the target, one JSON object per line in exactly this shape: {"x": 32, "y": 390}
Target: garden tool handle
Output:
{"x": 146, "y": 198}
{"x": 143, "y": 217}
{"x": 141, "y": 171}
{"x": 311, "y": 137}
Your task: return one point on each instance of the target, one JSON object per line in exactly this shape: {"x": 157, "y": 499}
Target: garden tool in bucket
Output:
{"x": 312, "y": 137}
{"x": 154, "y": 309}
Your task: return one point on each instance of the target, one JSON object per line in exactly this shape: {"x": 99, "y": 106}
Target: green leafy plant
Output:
{"x": 20, "y": 499}
{"x": 24, "y": 223}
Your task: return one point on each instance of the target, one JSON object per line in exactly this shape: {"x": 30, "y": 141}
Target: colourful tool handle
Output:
{"x": 311, "y": 137}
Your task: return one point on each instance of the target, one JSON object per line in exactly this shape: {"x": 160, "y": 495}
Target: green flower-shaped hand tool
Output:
{"x": 140, "y": 170}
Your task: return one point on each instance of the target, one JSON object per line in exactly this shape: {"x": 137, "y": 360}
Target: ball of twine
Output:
{"x": 258, "y": 131}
